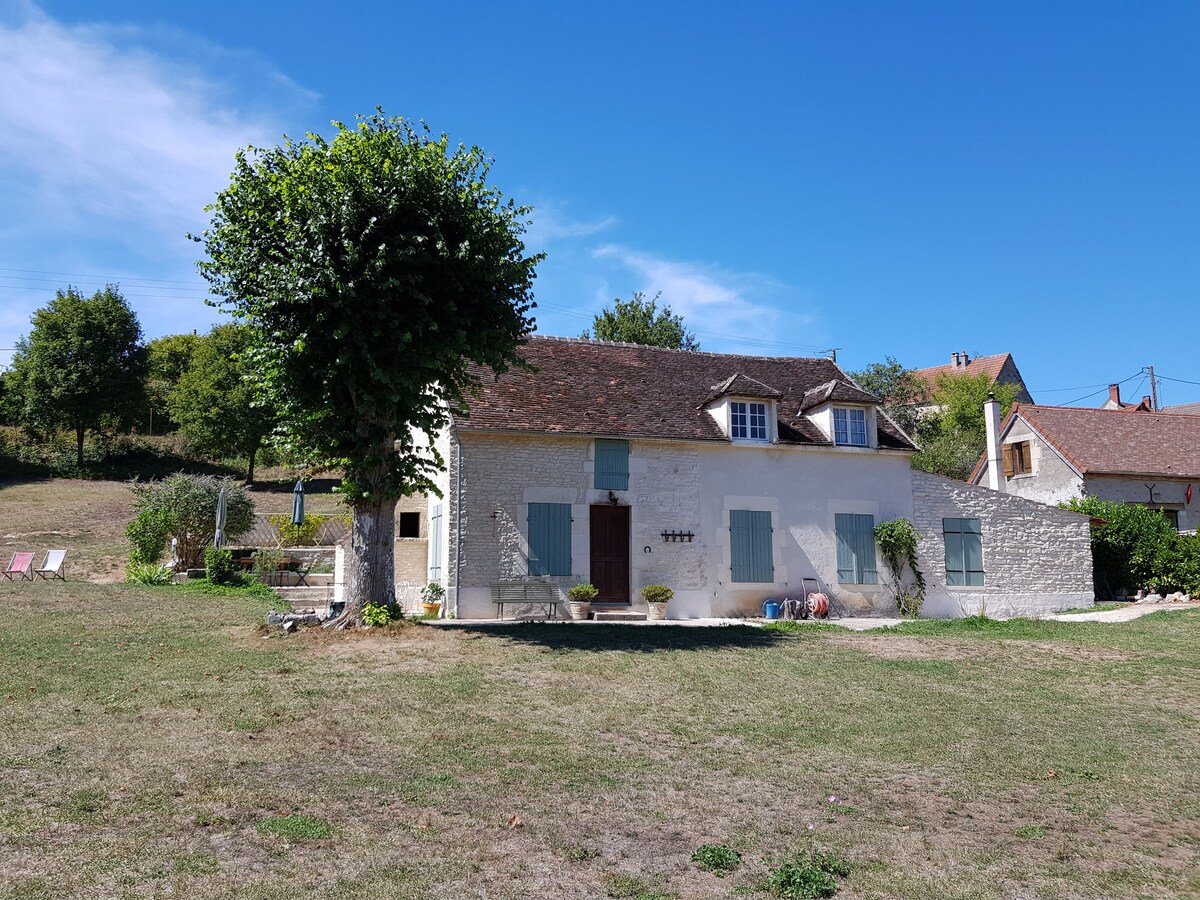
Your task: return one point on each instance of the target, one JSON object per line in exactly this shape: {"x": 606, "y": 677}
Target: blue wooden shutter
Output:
{"x": 854, "y": 536}
{"x": 955, "y": 558}
{"x": 751, "y": 554}
{"x": 612, "y": 465}
{"x": 549, "y": 538}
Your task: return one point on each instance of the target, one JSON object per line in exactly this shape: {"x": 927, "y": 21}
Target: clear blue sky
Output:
{"x": 886, "y": 178}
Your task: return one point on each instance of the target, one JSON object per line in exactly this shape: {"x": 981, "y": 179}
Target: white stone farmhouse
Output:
{"x": 728, "y": 478}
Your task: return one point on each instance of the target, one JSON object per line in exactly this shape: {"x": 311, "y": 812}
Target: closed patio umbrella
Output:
{"x": 298, "y": 503}
{"x": 222, "y": 512}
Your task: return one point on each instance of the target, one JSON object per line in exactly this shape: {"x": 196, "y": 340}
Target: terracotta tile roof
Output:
{"x": 986, "y": 365}
{"x": 742, "y": 386}
{"x": 1186, "y": 409}
{"x": 627, "y": 390}
{"x": 832, "y": 391}
{"x": 1112, "y": 442}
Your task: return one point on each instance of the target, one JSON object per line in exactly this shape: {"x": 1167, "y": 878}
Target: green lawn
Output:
{"x": 159, "y": 743}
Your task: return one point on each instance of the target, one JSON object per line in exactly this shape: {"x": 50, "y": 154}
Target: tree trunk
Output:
{"x": 79, "y": 446}
{"x": 370, "y": 558}
{"x": 250, "y": 474}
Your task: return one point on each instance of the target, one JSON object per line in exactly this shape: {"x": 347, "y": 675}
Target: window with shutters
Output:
{"x": 855, "y": 539}
{"x": 612, "y": 465}
{"x": 435, "y": 543}
{"x": 549, "y": 538}
{"x": 964, "y": 551}
{"x": 748, "y": 421}
{"x": 751, "y": 557}
{"x": 1016, "y": 459}
{"x": 850, "y": 427}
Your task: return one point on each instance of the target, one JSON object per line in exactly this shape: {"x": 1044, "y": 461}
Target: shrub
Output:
{"x": 149, "y": 573}
{"x": 897, "y": 541}
{"x": 657, "y": 593}
{"x": 1136, "y": 547}
{"x": 147, "y": 535}
{"x": 379, "y": 614}
{"x": 188, "y": 506}
{"x": 266, "y": 562}
{"x": 583, "y": 593}
{"x": 717, "y": 858}
{"x": 301, "y": 535}
{"x": 807, "y": 874}
{"x": 219, "y": 567}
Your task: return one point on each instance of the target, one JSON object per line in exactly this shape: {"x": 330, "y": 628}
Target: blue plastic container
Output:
{"x": 771, "y": 608}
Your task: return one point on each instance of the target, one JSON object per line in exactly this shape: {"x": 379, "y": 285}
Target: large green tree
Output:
{"x": 953, "y": 435}
{"x": 168, "y": 357}
{"x": 82, "y": 366}
{"x": 217, "y": 402}
{"x": 640, "y": 321}
{"x": 382, "y": 275}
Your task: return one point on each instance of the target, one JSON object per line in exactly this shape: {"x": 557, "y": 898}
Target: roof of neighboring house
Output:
{"x": 629, "y": 390}
{"x": 991, "y": 366}
{"x": 1112, "y": 442}
{"x": 1186, "y": 409}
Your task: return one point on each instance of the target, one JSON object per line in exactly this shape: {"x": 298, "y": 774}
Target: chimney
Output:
{"x": 1146, "y": 403}
{"x": 1114, "y": 395}
{"x": 966, "y": 359}
{"x": 954, "y": 360}
{"x": 991, "y": 419}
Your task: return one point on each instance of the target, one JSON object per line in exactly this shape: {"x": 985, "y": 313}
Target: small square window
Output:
{"x": 410, "y": 525}
{"x": 850, "y": 427}
{"x": 748, "y": 421}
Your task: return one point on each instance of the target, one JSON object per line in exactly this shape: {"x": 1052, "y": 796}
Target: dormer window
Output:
{"x": 850, "y": 427}
{"x": 748, "y": 421}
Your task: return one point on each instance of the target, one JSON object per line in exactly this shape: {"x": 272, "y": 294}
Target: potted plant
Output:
{"x": 657, "y": 596}
{"x": 432, "y": 596}
{"x": 579, "y": 600}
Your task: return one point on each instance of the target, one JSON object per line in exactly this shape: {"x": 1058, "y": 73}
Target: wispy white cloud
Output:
{"x": 115, "y": 124}
{"x": 727, "y": 310}
{"x": 550, "y": 223}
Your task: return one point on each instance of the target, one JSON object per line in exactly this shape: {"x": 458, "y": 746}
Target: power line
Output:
{"x": 101, "y": 277}
{"x": 1094, "y": 393}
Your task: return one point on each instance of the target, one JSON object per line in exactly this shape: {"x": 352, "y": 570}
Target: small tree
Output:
{"x": 900, "y": 389}
{"x": 383, "y": 276}
{"x": 82, "y": 365}
{"x": 954, "y": 437}
{"x": 638, "y": 321}
{"x": 217, "y": 402}
{"x": 185, "y": 507}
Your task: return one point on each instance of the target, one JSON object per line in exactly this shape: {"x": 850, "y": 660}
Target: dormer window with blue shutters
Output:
{"x": 612, "y": 465}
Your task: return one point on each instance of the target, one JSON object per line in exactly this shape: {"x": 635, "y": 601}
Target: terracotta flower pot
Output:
{"x": 431, "y": 609}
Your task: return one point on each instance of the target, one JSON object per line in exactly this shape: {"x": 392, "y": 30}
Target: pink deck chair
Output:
{"x": 53, "y": 566}
{"x": 22, "y": 564}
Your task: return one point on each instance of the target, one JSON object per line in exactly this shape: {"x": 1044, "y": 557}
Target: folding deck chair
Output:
{"x": 53, "y": 566}
{"x": 22, "y": 564}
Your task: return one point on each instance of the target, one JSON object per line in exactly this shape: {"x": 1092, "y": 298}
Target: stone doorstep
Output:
{"x": 615, "y": 615}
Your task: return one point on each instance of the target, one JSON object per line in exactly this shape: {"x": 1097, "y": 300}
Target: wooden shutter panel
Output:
{"x": 751, "y": 554}
{"x": 955, "y": 559}
{"x": 843, "y": 536}
{"x": 1006, "y": 458}
{"x": 612, "y": 465}
{"x": 865, "y": 555}
{"x": 549, "y": 538}
{"x": 435, "y": 543}
{"x": 854, "y": 536}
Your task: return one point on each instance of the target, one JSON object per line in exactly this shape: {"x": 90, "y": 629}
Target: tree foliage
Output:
{"x": 953, "y": 434}
{"x": 640, "y": 321}
{"x": 382, "y": 275}
{"x": 897, "y": 540}
{"x": 217, "y": 401}
{"x": 1136, "y": 547}
{"x": 184, "y": 507}
{"x": 81, "y": 367}
{"x": 900, "y": 389}
{"x": 167, "y": 358}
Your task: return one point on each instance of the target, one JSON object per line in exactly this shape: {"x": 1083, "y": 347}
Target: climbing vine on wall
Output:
{"x": 897, "y": 541}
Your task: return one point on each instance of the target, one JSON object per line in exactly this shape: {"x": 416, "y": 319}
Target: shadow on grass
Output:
{"x": 637, "y": 638}
{"x": 286, "y": 486}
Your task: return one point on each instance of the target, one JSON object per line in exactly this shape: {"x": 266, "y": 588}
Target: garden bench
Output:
{"x": 525, "y": 593}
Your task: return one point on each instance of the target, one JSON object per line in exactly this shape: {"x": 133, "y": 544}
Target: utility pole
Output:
{"x": 832, "y": 351}
{"x": 1153, "y": 389}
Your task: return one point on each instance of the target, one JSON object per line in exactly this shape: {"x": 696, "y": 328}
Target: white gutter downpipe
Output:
{"x": 991, "y": 420}
{"x": 457, "y": 518}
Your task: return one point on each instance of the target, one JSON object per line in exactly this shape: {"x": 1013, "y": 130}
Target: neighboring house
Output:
{"x": 1053, "y": 453}
{"x": 1000, "y": 369}
{"x": 730, "y": 479}
{"x": 1187, "y": 409}
{"x": 1114, "y": 401}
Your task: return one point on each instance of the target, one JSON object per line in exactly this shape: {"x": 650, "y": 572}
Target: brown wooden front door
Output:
{"x": 610, "y": 553}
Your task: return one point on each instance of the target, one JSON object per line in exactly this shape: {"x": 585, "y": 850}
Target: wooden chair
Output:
{"x": 53, "y": 566}
{"x": 22, "y": 564}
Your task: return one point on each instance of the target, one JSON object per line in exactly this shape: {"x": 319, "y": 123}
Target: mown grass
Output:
{"x": 155, "y": 742}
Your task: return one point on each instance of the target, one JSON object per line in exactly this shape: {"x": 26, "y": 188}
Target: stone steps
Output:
{"x": 618, "y": 615}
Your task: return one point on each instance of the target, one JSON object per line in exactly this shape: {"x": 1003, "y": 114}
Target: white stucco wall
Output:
{"x": 1052, "y": 480}
{"x": 1037, "y": 558}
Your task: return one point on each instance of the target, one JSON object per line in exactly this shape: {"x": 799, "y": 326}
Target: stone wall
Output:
{"x": 1036, "y": 558}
